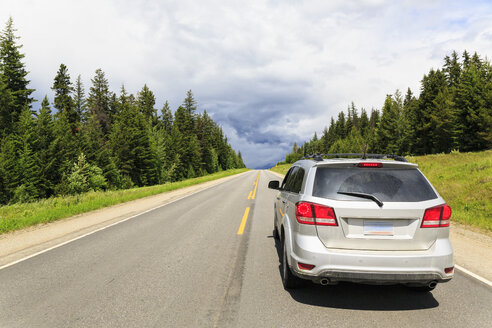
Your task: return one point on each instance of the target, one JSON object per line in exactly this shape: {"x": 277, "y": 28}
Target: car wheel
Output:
{"x": 288, "y": 279}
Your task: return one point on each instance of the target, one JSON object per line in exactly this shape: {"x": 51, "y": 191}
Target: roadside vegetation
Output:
{"x": 452, "y": 112}
{"x": 21, "y": 215}
{"x": 464, "y": 180}
{"x": 97, "y": 141}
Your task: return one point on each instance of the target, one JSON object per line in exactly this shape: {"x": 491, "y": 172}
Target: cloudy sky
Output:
{"x": 269, "y": 72}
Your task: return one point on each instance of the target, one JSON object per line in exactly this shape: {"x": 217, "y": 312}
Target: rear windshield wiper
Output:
{"x": 362, "y": 195}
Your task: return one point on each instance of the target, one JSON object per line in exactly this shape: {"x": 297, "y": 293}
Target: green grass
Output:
{"x": 282, "y": 168}
{"x": 19, "y": 216}
{"x": 464, "y": 180}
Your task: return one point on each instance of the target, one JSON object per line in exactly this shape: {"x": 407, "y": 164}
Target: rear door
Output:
{"x": 363, "y": 224}
{"x": 284, "y": 191}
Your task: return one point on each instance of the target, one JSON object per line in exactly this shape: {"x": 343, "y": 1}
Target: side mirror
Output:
{"x": 274, "y": 185}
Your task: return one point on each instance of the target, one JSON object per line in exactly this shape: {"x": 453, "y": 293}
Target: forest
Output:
{"x": 80, "y": 142}
{"x": 452, "y": 113}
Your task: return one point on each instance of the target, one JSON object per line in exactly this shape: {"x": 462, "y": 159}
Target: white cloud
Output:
{"x": 271, "y": 72}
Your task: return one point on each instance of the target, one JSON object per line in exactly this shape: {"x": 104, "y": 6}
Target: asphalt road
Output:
{"x": 185, "y": 265}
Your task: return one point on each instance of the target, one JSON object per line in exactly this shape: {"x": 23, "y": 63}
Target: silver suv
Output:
{"x": 373, "y": 219}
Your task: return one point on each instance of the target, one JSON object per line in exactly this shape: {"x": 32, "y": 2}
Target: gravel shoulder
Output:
{"x": 23, "y": 243}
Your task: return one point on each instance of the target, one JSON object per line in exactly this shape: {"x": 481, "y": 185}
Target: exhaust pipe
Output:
{"x": 432, "y": 284}
{"x": 324, "y": 281}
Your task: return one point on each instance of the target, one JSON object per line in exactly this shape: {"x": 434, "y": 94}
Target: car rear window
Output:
{"x": 387, "y": 184}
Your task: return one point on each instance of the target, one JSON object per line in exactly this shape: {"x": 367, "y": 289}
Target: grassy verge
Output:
{"x": 282, "y": 168}
{"x": 464, "y": 180}
{"x": 19, "y": 216}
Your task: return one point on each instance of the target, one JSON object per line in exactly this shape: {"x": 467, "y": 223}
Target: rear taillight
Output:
{"x": 311, "y": 213}
{"x": 436, "y": 217}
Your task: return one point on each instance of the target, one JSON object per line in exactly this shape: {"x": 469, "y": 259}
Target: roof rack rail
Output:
{"x": 319, "y": 157}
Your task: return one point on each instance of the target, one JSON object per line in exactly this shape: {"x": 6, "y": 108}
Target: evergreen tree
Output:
{"x": 146, "y": 102}
{"x": 66, "y": 149}
{"x": 474, "y": 116}
{"x": 442, "y": 122}
{"x": 9, "y": 168}
{"x": 44, "y": 130}
{"x": 452, "y": 69}
{"x": 13, "y": 70}
{"x": 6, "y": 104}
{"x": 132, "y": 148}
{"x": 363, "y": 123}
{"x": 98, "y": 100}
{"x": 190, "y": 103}
{"x": 63, "y": 99}
{"x": 387, "y": 133}
{"x": 80, "y": 103}
{"x": 340, "y": 130}
{"x": 27, "y": 160}
{"x": 167, "y": 117}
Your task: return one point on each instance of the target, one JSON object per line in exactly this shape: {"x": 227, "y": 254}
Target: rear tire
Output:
{"x": 288, "y": 279}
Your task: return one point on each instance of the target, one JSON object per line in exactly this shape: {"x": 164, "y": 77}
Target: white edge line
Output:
{"x": 100, "y": 229}
{"x": 474, "y": 275}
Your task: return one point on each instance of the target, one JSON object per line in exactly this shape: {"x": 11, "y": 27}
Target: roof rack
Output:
{"x": 319, "y": 157}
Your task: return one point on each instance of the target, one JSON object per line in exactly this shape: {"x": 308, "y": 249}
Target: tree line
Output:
{"x": 452, "y": 113}
{"x": 97, "y": 141}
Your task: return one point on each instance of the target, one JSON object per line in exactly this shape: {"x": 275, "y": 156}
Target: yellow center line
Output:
{"x": 243, "y": 222}
{"x": 281, "y": 212}
{"x": 256, "y": 186}
{"x": 249, "y": 196}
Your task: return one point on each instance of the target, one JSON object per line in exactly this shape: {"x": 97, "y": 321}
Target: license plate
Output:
{"x": 378, "y": 228}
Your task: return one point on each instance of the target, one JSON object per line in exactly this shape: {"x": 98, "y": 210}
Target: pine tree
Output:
{"x": 452, "y": 69}
{"x": 45, "y": 132}
{"x": 9, "y": 168}
{"x": 442, "y": 121}
{"x": 167, "y": 117}
{"x": 14, "y": 71}
{"x": 28, "y": 162}
{"x": 387, "y": 133}
{"x": 132, "y": 148}
{"x": 340, "y": 130}
{"x": 146, "y": 102}
{"x": 190, "y": 103}
{"x": 474, "y": 116}
{"x": 66, "y": 149}
{"x": 63, "y": 101}
{"x": 80, "y": 103}
{"x": 98, "y": 100}
{"x": 6, "y": 104}
{"x": 363, "y": 123}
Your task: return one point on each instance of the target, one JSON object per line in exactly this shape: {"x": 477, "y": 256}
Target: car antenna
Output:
{"x": 364, "y": 150}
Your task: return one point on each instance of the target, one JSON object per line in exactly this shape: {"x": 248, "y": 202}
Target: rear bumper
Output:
{"x": 377, "y": 267}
